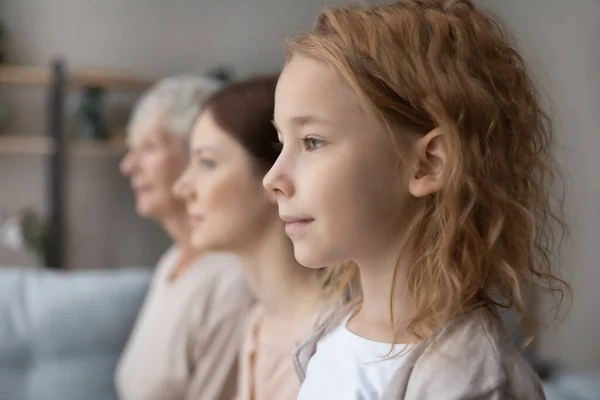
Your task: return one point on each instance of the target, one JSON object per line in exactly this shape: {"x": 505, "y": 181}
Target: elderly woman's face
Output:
{"x": 155, "y": 160}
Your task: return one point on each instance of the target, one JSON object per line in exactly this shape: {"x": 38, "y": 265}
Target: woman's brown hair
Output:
{"x": 490, "y": 236}
{"x": 245, "y": 110}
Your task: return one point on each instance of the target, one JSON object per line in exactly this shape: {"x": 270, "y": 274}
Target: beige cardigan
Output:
{"x": 188, "y": 334}
{"x": 266, "y": 368}
{"x": 472, "y": 358}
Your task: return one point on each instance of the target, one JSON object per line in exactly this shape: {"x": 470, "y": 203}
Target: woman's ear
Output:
{"x": 430, "y": 162}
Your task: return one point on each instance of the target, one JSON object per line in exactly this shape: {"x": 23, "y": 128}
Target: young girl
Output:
{"x": 415, "y": 154}
{"x": 232, "y": 147}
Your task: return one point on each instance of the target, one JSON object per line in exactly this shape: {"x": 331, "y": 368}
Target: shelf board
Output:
{"x": 25, "y": 145}
{"x": 42, "y": 145}
{"x": 110, "y": 79}
{"x": 104, "y": 148}
{"x": 20, "y": 75}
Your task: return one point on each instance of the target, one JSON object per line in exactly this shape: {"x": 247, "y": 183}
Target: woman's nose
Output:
{"x": 126, "y": 164}
{"x": 181, "y": 187}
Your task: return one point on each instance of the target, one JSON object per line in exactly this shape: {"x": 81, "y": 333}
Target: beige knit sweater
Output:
{"x": 188, "y": 334}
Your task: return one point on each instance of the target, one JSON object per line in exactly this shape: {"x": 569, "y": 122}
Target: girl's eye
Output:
{"x": 277, "y": 146}
{"x": 312, "y": 144}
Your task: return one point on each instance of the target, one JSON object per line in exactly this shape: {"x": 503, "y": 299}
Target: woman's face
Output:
{"x": 337, "y": 180}
{"x": 153, "y": 163}
{"x": 225, "y": 201}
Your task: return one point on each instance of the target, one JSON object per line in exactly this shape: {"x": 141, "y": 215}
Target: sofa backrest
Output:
{"x": 61, "y": 332}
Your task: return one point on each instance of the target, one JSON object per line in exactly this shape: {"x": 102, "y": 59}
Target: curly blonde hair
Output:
{"x": 490, "y": 236}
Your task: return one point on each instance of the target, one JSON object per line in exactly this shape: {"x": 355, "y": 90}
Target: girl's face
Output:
{"x": 337, "y": 181}
{"x": 225, "y": 201}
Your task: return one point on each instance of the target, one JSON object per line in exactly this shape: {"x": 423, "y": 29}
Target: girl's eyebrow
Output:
{"x": 299, "y": 121}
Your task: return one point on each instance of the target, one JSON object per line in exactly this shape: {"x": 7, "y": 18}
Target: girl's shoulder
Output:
{"x": 473, "y": 357}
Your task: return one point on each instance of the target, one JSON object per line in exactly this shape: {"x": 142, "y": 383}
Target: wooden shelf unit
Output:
{"x": 106, "y": 79}
{"x": 56, "y": 145}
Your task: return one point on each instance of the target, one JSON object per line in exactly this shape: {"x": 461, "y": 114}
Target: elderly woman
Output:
{"x": 187, "y": 336}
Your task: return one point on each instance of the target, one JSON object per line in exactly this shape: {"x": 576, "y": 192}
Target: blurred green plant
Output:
{"x": 34, "y": 229}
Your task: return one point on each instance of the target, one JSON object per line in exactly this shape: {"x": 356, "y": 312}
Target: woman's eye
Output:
{"x": 205, "y": 162}
{"x": 312, "y": 144}
{"x": 148, "y": 146}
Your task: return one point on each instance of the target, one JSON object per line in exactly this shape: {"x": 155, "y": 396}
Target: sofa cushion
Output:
{"x": 61, "y": 332}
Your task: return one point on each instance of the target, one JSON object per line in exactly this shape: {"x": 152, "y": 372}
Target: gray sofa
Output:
{"x": 573, "y": 386}
{"x": 61, "y": 333}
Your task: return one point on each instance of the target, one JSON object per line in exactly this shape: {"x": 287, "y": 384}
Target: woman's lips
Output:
{"x": 195, "y": 220}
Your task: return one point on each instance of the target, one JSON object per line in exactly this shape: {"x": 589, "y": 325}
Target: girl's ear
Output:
{"x": 431, "y": 155}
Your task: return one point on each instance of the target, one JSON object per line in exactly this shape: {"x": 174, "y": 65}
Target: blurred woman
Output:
{"x": 232, "y": 147}
{"x": 187, "y": 336}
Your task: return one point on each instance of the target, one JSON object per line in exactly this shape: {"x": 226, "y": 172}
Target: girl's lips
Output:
{"x": 295, "y": 226}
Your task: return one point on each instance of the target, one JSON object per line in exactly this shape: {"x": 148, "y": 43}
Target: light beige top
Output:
{"x": 472, "y": 358}
{"x": 266, "y": 366}
{"x": 187, "y": 336}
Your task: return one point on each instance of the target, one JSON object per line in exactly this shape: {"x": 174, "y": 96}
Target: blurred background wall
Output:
{"x": 561, "y": 39}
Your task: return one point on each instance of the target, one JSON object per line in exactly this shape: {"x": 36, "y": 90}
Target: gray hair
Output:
{"x": 180, "y": 98}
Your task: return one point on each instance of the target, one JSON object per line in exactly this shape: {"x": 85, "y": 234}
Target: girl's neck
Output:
{"x": 285, "y": 289}
{"x": 373, "y": 320}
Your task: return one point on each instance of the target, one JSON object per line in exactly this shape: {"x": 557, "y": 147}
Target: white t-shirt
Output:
{"x": 349, "y": 367}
